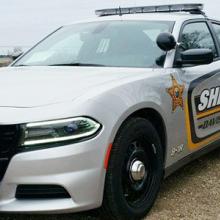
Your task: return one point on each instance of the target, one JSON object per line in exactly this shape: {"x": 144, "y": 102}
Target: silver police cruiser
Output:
{"x": 99, "y": 112}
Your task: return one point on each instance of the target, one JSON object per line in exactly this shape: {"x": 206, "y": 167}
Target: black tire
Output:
{"x": 124, "y": 197}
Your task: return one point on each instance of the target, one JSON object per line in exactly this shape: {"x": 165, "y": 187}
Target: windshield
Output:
{"x": 106, "y": 43}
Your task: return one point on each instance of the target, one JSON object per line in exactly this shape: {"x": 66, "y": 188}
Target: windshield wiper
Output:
{"x": 76, "y": 64}
{"x": 20, "y": 65}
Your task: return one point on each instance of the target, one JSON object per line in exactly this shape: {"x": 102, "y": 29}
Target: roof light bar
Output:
{"x": 192, "y": 8}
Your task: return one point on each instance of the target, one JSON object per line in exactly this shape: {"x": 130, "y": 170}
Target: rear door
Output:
{"x": 202, "y": 86}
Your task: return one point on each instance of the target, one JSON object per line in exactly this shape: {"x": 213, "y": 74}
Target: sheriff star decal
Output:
{"x": 176, "y": 93}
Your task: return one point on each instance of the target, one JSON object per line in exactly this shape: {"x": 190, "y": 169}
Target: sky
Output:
{"x": 25, "y": 22}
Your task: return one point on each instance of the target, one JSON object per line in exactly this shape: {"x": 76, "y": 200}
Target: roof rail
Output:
{"x": 191, "y": 8}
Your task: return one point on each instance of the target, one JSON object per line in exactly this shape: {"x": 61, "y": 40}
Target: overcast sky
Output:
{"x": 24, "y": 22}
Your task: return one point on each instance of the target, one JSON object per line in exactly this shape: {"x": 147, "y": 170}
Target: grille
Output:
{"x": 9, "y": 137}
{"x": 41, "y": 192}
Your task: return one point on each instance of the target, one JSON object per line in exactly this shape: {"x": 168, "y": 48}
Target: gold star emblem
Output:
{"x": 176, "y": 93}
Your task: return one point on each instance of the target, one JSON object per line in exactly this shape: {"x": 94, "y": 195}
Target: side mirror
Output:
{"x": 166, "y": 41}
{"x": 197, "y": 56}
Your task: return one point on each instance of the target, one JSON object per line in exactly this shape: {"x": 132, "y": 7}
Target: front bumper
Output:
{"x": 77, "y": 167}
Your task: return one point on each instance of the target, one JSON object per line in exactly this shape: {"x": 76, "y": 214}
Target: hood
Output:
{"x": 26, "y": 87}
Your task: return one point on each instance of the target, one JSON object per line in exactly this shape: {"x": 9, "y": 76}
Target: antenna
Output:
{"x": 135, "y": 2}
{"x": 120, "y": 12}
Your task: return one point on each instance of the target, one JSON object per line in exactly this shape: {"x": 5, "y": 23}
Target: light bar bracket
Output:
{"x": 191, "y": 8}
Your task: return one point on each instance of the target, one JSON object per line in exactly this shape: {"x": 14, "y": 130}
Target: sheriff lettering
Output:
{"x": 209, "y": 99}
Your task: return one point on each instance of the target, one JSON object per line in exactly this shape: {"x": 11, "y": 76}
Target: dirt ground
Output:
{"x": 192, "y": 193}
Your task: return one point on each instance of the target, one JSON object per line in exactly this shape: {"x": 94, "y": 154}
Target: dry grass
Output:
{"x": 5, "y": 62}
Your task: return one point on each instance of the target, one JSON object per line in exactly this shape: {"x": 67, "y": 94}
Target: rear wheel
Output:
{"x": 134, "y": 172}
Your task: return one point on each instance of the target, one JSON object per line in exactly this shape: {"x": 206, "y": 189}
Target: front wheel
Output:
{"x": 135, "y": 171}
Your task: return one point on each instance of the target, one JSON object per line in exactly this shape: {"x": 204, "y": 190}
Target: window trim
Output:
{"x": 211, "y": 23}
{"x": 213, "y": 35}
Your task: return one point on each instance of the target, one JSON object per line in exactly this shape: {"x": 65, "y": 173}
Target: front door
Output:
{"x": 202, "y": 93}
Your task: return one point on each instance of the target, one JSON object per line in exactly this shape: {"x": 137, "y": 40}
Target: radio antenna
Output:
{"x": 120, "y": 13}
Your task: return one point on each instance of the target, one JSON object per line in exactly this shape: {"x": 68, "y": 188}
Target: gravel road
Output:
{"x": 192, "y": 193}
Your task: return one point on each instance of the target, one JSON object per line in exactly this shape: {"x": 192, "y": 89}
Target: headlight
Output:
{"x": 58, "y": 131}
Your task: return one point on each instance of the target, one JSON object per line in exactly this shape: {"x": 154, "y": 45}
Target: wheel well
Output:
{"x": 157, "y": 121}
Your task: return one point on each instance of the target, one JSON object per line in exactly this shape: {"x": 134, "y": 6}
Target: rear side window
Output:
{"x": 217, "y": 29}
{"x": 196, "y": 36}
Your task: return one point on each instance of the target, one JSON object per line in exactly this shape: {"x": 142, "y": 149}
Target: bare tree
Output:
{"x": 16, "y": 52}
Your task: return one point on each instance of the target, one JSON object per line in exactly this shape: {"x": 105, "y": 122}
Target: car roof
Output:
{"x": 172, "y": 16}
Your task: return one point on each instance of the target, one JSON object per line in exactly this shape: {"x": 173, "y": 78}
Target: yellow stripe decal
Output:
{"x": 191, "y": 145}
{"x": 208, "y": 113}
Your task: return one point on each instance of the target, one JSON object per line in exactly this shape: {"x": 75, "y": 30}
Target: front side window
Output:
{"x": 196, "y": 36}
{"x": 107, "y": 43}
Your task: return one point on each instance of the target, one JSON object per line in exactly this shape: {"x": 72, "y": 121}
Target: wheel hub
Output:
{"x": 137, "y": 170}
